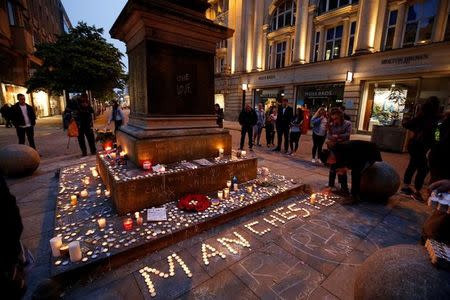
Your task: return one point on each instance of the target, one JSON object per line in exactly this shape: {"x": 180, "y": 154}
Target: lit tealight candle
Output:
{"x": 73, "y": 200}
{"x": 64, "y": 249}
{"x": 55, "y": 244}
{"x": 94, "y": 173}
{"x": 84, "y": 193}
{"x": 98, "y": 191}
{"x": 122, "y": 154}
{"x": 221, "y": 152}
{"x": 228, "y": 183}
{"x": 250, "y": 189}
{"x": 139, "y": 221}
{"x": 101, "y": 222}
{"x": 220, "y": 195}
{"x": 313, "y": 199}
{"x": 243, "y": 153}
{"x": 86, "y": 180}
{"x": 75, "y": 251}
{"x": 226, "y": 193}
{"x": 107, "y": 193}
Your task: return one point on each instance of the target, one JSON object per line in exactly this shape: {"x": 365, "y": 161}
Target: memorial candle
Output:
{"x": 64, "y": 249}
{"x": 101, "y": 222}
{"x": 243, "y": 153}
{"x": 94, "y": 173}
{"x": 313, "y": 199}
{"x": 107, "y": 193}
{"x": 84, "y": 193}
{"x": 250, "y": 189}
{"x": 221, "y": 152}
{"x": 55, "y": 244}
{"x": 226, "y": 193}
{"x": 73, "y": 200}
{"x": 128, "y": 224}
{"x": 86, "y": 180}
{"x": 220, "y": 195}
{"x": 147, "y": 165}
{"x": 228, "y": 183}
{"x": 98, "y": 191}
{"x": 235, "y": 187}
{"x": 75, "y": 251}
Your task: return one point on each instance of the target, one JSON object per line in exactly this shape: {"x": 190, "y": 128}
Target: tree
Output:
{"x": 78, "y": 61}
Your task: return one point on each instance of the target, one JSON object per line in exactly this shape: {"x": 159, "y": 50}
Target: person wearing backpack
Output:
{"x": 423, "y": 127}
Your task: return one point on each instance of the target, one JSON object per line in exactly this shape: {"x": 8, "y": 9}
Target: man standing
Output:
{"x": 24, "y": 119}
{"x": 247, "y": 119}
{"x": 284, "y": 119}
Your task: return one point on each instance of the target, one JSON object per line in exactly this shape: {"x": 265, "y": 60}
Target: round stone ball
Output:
{"x": 18, "y": 160}
{"x": 401, "y": 272}
{"x": 379, "y": 181}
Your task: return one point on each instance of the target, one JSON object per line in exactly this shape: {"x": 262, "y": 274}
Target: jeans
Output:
{"x": 29, "y": 132}
{"x": 244, "y": 130}
{"x": 257, "y": 130}
{"x": 318, "y": 142}
{"x": 294, "y": 140}
{"x": 417, "y": 163}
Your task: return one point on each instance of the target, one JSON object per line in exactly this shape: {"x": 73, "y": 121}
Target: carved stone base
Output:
{"x": 173, "y": 145}
{"x": 136, "y": 192}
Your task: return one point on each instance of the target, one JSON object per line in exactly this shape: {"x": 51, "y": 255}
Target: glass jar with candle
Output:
{"x": 128, "y": 224}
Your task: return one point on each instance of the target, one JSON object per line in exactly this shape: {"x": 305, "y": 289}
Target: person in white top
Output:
{"x": 117, "y": 116}
{"x": 24, "y": 119}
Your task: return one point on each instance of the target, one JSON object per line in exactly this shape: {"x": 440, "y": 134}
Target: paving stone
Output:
{"x": 272, "y": 272}
{"x": 378, "y": 208}
{"x": 321, "y": 294}
{"x": 35, "y": 225}
{"x": 357, "y": 221}
{"x": 217, "y": 264}
{"x": 179, "y": 284}
{"x": 319, "y": 244}
{"x": 220, "y": 287}
{"x": 412, "y": 210}
{"x": 404, "y": 226}
{"x": 125, "y": 288}
{"x": 341, "y": 281}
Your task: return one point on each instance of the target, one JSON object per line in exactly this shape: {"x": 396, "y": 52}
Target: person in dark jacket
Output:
{"x": 13, "y": 279}
{"x": 6, "y": 112}
{"x": 284, "y": 118}
{"x": 422, "y": 126}
{"x": 357, "y": 156}
{"x": 24, "y": 119}
{"x": 247, "y": 119}
{"x": 219, "y": 115}
{"x": 85, "y": 122}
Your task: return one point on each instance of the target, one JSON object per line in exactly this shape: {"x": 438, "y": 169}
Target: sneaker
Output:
{"x": 407, "y": 191}
{"x": 313, "y": 161}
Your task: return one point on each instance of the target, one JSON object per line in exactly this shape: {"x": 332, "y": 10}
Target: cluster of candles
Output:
{"x": 213, "y": 252}
{"x": 60, "y": 249}
{"x": 146, "y": 271}
{"x": 250, "y": 225}
{"x": 128, "y": 222}
{"x": 241, "y": 241}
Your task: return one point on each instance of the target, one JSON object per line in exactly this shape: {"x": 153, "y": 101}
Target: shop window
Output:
{"x": 351, "y": 40}
{"x": 280, "y": 55}
{"x": 390, "y": 30}
{"x": 12, "y": 13}
{"x": 284, "y": 15}
{"x": 419, "y": 22}
{"x": 316, "y": 47}
{"x": 333, "y": 43}
{"x": 447, "y": 30}
{"x": 327, "y": 5}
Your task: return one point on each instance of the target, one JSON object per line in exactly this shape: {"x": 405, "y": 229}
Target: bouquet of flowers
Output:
{"x": 106, "y": 137}
{"x": 194, "y": 202}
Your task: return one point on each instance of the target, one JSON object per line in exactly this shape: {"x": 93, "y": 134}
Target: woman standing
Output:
{"x": 117, "y": 116}
{"x": 271, "y": 119}
{"x": 260, "y": 122}
{"x": 296, "y": 131}
{"x": 319, "y": 122}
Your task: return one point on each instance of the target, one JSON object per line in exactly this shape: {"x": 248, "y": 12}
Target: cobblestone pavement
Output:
{"x": 314, "y": 257}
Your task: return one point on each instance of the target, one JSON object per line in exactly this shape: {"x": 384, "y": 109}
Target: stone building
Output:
{"x": 23, "y": 25}
{"x": 378, "y": 58}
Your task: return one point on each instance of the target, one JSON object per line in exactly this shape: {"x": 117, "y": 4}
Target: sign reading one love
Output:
{"x": 277, "y": 217}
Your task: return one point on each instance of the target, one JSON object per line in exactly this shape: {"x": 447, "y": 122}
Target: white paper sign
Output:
{"x": 157, "y": 214}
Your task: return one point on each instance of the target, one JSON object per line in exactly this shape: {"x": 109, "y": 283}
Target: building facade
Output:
{"x": 23, "y": 25}
{"x": 378, "y": 58}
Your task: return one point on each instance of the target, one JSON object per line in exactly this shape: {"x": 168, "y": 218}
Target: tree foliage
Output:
{"x": 78, "y": 61}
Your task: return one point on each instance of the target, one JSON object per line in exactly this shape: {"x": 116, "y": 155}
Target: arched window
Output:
{"x": 283, "y": 15}
{"x": 327, "y": 5}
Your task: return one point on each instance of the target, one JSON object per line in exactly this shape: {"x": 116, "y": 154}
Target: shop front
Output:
{"x": 314, "y": 96}
{"x": 268, "y": 97}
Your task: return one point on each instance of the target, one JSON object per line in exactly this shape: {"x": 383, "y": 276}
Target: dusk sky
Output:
{"x": 101, "y": 13}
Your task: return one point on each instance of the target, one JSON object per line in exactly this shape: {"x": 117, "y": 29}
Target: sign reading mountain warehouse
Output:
{"x": 404, "y": 60}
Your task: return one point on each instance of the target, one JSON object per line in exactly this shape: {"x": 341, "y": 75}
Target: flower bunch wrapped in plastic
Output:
{"x": 194, "y": 202}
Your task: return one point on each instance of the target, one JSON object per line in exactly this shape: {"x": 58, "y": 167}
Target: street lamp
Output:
{"x": 244, "y": 88}
{"x": 349, "y": 77}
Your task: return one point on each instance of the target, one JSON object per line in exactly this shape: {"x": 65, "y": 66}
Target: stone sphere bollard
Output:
{"x": 380, "y": 181}
{"x": 18, "y": 160}
{"x": 401, "y": 272}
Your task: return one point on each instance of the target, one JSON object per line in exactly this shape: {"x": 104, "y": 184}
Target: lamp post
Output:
{"x": 244, "y": 89}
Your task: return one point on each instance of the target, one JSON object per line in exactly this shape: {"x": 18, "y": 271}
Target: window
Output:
{"x": 327, "y": 5}
{"x": 351, "y": 39}
{"x": 280, "y": 55}
{"x": 419, "y": 22}
{"x": 11, "y": 14}
{"x": 333, "y": 42}
{"x": 269, "y": 57}
{"x": 284, "y": 15}
{"x": 316, "y": 47}
{"x": 222, "y": 44}
{"x": 390, "y": 30}
{"x": 447, "y": 30}
{"x": 292, "y": 50}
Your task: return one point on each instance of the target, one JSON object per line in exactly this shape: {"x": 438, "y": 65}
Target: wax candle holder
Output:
{"x": 73, "y": 200}
{"x": 107, "y": 193}
{"x": 226, "y": 193}
{"x": 220, "y": 195}
{"x": 64, "y": 250}
{"x": 128, "y": 224}
{"x": 101, "y": 222}
{"x": 55, "y": 244}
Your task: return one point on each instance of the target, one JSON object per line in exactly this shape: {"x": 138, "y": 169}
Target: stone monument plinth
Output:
{"x": 171, "y": 47}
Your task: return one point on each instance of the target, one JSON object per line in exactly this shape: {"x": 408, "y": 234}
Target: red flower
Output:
{"x": 194, "y": 202}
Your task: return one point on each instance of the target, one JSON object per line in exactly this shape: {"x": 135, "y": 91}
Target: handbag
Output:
{"x": 72, "y": 130}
